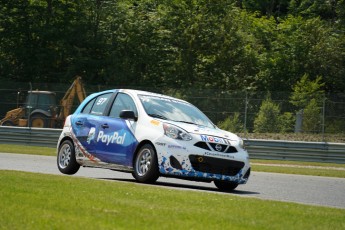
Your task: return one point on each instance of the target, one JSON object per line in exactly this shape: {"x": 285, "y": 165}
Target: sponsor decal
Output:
{"x": 91, "y": 135}
{"x": 176, "y": 147}
{"x": 214, "y": 139}
{"x": 146, "y": 98}
{"x": 114, "y": 138}
{"x": 219, "y": 155}
{"x": 154, "y": 122}
{"x": 160, "y": 143}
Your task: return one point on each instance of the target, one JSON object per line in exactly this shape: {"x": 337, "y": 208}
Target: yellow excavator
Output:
{"x": 40, "y": 109}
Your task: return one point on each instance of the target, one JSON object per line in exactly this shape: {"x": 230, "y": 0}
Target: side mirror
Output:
{"x": 128, "y": 115}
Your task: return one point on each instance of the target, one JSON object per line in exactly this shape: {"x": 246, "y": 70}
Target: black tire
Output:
{"x": 225, "y": 186}
{"x": 66, "y": 161}
{"x": 146, "y": 165}
{"x": 39, "y": 120}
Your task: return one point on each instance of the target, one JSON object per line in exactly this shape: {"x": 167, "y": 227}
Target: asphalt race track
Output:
{"x": 313, "y": 190}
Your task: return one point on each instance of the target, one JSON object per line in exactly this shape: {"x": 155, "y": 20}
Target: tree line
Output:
{"x": 227, "y": 45}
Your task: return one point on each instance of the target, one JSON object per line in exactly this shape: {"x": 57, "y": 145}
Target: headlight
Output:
{"x": 174, "y": 132}
{"x": 242, "y": 144}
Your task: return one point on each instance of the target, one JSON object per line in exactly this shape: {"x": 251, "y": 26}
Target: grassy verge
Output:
{"x": 35, "y": 201}
{"x": 24, "y": 149}
{"x": 288, "y": 167}
{"x": 300, "y": 168}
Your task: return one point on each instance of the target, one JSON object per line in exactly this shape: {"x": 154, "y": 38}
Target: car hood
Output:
{"x": 202, "y": 130}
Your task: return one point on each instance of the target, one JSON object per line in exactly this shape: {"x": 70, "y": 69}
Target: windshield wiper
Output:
{"x": 157, "y": 116}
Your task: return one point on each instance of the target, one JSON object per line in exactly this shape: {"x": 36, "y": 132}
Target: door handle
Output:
{"x": 105, "y": 126}
{"x": 79, "y": 123}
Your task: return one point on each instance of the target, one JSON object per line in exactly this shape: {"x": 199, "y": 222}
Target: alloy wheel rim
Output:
{"x": 144, "y": 163}
{"x": 64, "y": 156}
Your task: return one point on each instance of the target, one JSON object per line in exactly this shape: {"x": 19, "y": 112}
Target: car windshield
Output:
{"x": 174, "y": 110}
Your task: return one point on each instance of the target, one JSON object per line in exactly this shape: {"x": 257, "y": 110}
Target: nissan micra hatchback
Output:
{"x": 150, "y": 135}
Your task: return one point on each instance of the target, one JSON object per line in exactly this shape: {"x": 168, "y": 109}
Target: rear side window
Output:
{"x": 100, "y": 104}
{"x": 88, "y": 107}
{"x": 122, "y": 102}
{"x": 97, "y": 105}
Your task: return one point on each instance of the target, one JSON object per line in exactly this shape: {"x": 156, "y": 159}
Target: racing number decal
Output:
{"x": 101, "y": 101}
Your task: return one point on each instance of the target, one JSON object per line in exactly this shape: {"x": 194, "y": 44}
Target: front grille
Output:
{"x": 216, "y": 147}
{"x": 231, "y": 149}
{"x": 215, "y": 165}
{"x": 202, "y": 145}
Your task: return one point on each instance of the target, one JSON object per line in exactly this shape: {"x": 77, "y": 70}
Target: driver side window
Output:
{"x": 122, "y": 102}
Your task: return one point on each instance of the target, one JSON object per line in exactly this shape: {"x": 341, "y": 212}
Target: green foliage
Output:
{"x": 304, "y": 46}
{"x": 227, "y": 45}
{"x": 312, "y": 117}
{"x": 232, "y": 123}
{"x": 306, "y": 90}
{"x": 335, "y": 126}
{"x": 268, "y": 118}
{"x": 308, "y": 95}
{"x": 314, "y": 8}
{"x": 267, "y": 7}
{"x": 340, "y": 12}
{"x": 287, "y": 122}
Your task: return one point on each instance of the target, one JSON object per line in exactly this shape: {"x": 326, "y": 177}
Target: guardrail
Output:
{"x": 29, "y": 136}
{"x": 296, "y": 151}
{"x": 258, "y": 149}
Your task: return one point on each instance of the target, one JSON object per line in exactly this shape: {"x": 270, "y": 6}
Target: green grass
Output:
{"x": 299, "y": 171}
{"x": 36, "y": 201}
{"x": 269, "y": 167}
{"x": 24, "y": 149}
{"x": 300, "y": 168}
{"x": 299, "y": 163}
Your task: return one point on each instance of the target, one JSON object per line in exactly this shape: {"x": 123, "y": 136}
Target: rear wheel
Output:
{"x": 146, "y": 165}
{"x": 225, "y": 185}
{"x": 66, "y": 161}
{"x": 39, "y": 120}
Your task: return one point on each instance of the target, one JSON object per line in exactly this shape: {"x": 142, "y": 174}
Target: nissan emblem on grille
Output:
{"x": 218, "y": 147}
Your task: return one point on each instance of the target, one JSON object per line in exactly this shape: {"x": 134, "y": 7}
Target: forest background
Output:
{"x": 284, "y": 56}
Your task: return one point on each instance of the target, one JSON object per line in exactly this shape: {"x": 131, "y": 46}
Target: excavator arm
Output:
{"x": 12, "y": 117}
{"x": 66, "y": 102}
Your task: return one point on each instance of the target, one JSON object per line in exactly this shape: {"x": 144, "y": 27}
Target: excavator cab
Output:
{"x": 40, "y": 100}
{"x": 40, "y": 108}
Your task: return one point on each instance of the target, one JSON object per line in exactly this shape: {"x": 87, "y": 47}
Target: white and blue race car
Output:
{"x": 150, "y": 135}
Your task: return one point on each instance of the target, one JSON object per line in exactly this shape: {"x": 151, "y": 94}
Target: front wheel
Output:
{"x": 66, "y": 161}
{"x": 225, "y": 185}
{"x": 146, "y": 165}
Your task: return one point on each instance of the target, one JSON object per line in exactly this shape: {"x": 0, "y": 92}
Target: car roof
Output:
{"x": 147, "y": 93}
{"x": 135, "y": 92}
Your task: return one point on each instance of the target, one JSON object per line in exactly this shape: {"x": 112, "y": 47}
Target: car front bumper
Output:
{"x": 184, "y": 159}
